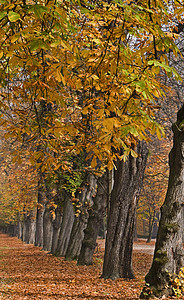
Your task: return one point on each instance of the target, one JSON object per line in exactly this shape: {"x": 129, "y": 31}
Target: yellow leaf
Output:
{"x": 59, "y": 77}
{"x": 133, "y": 153}
{"x": 78, "y": 84}
{"x": 65, "y": 45}
{"x": 108, "y": 123}
{"x": 116, "y": 123}
{"x": 95, "y": 77}
{"x": 156, "y": 93}
{"x": 93, "y": 163}
{"x": 63, "y": 79}
{"x": 158, "y": 133}
{"x": 110, "y": 165}
{"x": 14, "y": 38}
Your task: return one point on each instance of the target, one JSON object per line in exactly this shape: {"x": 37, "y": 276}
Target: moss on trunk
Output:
{"x": 168, "y": 257}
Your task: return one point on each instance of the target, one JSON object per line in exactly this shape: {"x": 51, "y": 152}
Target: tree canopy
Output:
{"x": 83, "y": 75}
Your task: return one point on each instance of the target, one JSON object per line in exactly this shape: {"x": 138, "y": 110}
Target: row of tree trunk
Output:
{"x": 63, "y": 232}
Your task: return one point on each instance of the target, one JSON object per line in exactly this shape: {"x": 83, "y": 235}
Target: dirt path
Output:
{"x": 149, "y": 249}
{"x": 27, "y": 272}
{"x": 140, "y": 246}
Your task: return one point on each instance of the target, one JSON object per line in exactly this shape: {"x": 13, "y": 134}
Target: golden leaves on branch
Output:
{"x": 94, "y": 68}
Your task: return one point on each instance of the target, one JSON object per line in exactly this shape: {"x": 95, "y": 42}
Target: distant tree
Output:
{"x": 155, "y": 183}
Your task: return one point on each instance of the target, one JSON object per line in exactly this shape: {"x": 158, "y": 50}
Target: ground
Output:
{"x": 27, "y": 272}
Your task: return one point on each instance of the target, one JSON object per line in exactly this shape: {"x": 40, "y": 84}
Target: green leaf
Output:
{"x": 40, "y": 10}
{"x": 141, "y": 84}
{"x": 13, "y": 16}
{"x": 84, "y": 10}
{"x": 2, "y": 14}
{"x": 133, "y": 131}
{"x": 38, "y": 44}
{"x": 150, "y": 62}
{"x": 177, "y": 76}
{"x": 55, "y": 43}
{"x": 34, "y": 45}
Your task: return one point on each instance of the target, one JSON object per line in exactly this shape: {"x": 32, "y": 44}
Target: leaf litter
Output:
{"x": 28, "y": 272}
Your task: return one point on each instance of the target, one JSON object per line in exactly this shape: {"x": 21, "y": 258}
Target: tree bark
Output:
{"x": 151, "y": 223}
{"x": 183, "y": 222}
{"x": 66, "y": 227}
{"x": 76, "y": 236}
{"x": 47, "y": 229}
{"x": 88, "y": 191}
{"x": 29, "y": 225}
{"x": 96, "y": 216}
{"x": 168, "y": 256}
{"x": 40, "y": 213}
{"x": 135, "y": 228}
{"x": 128, "y": 179}
{"x": 56, "y": 228}
{"x": 48, "y": 218}
{"x": 39, "y": 227}
{"x": 12, "y": 230}
{"x": 19, "y": 229}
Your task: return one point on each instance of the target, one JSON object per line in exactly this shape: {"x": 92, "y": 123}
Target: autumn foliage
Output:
{"x": 63, "y": 63}
{"x": 79, "y": 85}
{"x": 82, "y": 78}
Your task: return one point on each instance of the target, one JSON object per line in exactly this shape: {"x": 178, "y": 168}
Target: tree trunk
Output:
{"x": 151, "y": 223}
{"x": 40, "y": 213}
{"x": 19, "y": 229}
{"x": 120, "y": 226}
{"x": 135, "y": 228}
{"x": 25, "y": 229}
{"x": 66, "y": 227}
{"x": 47, "y": 229}
{"x": 96, "y": 216}
{"x": 76, "y": 237}
{"x": 183, "y": 222}
{"x": 88, "y": 191}
{"x": 29, "y": 226}
{"x": 39, "y": 227}
{"x": 32, "y": 227}
{"x": 56, "y": 228}
{"x": 12, "y": 230}
{"x": 144, "y": 227}
{"x": 168, "y": 256}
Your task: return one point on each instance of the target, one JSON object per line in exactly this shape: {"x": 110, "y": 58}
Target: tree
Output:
{"x": 120, "y": 225}
{"x": 18, "y": 189}
{"x": 97, "y": 212}
{"x": 84, "y": 198}
{"x": 168, "y": 256}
